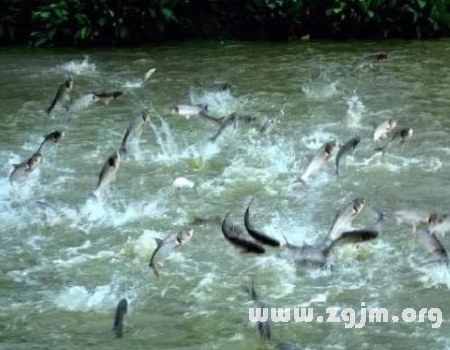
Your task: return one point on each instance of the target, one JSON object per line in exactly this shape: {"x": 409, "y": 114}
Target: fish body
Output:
{"x": 189, "y": 111}
{"x": 108, "y": 173}
{"x": 22, "y": 170}
{"x": 165, "y": 248}
{"x": 344, "y": 218}
{"x": 413, "y": 217}
{"x": 53, "y": 137}
{"x": 121, "y": 311}
{"x": 108, "y": 97}
{"x": 62, "y": 94}
{"x": 318, "y": 161}
{"x": 382, "y": 130}
{"x": 346, "y": 149}
{"x": 134, "y": 129}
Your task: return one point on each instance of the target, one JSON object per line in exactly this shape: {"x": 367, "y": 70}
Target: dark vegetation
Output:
{"x": 126, "y": 22}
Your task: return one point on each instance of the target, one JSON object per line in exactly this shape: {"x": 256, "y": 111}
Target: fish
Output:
{"x": 404, "y": 135}
{"x": 54, "y": 137}
{"x": 182, "y": 182}
{"x": 134, "y": 129}
{"x": 147, "y": 75}
{"x": 348, "y": 147}
{"x": 121, "y": 311}
{"x": 234, "y": 235}
{"x": 108, "y": 173}
{"x": 62, "y": 94}
{"x": 382, "y": 130}
{"x": 267, "y": 125}
{"x": 22, "y": 170}
{"x": 165, "y": 247}
{"x": 377, "y": 57}
{"x": 344, "y": 218}
{"x": 413, "y": 217}
{"x": 318, "y": 161}
{"x": 108, "y": 97}
{"x": 189, "y": 111}
{"x": 225, "y": 123}
{"x": 434, "y": 244}
{"x": 263, "y": 327}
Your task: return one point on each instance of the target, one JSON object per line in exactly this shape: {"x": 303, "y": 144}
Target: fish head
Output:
{"x": 69, "y": 82}
{"x": 357, "y": 206}
{"x": 114, "y": 160}
{"x": 406, "y": 134}
{"x": 434, "y": 219}
{"x": 184, "y": 236}
{"x": 356, "y": 141}
{"x": 330, "y": 147}
{"x": 145, "y": 115}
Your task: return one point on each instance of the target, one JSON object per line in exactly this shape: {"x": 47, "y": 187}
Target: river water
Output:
{"x": 65, "y": 266}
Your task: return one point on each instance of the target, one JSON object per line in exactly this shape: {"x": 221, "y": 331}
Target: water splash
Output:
{"x": 355, "y": 111}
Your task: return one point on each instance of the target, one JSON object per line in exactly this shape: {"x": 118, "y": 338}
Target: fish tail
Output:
{"x": 123, "y": 149}
{"x": 155, "y": 270}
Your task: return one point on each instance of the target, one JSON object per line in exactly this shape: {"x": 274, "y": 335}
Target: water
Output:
{"x": 63, "y": 270}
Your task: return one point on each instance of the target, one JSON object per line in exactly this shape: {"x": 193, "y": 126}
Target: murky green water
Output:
{"x": 62, "y": 274}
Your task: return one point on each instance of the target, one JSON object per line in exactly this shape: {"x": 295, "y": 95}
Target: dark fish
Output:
{"x": 225, "y": 123}
{"x": 263, "y": 327}
{"x": 234, "y": 234}
{"x": 63, "y": 94}
{"x": 348, "y": 147}
{"x": 133, "y": 129}
{"x": 54, "y": 137}
{"x": 121, "y": 311}
{"x": 378, "y": 57}
{"x": 107, "y": 97}
{"x": 434, "y": 244}
{"x": 258, "y": 235}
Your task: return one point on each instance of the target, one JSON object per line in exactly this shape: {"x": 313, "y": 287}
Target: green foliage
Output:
{"x": 118, "y": 22}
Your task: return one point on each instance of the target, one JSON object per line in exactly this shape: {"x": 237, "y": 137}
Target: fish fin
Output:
{"x": 155, "y": 270}
{"x": 159, "y": 242}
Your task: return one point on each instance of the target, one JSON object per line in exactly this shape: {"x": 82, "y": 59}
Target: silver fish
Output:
{"x": 318, "y": 161}
{"x": 108, "y": 173}
{"x": 348, "y": 147}
{"x": 62, "y": 94}
{"x": 439, "y": 223}
{"x": 434, "y": 244}
{"x": 189, "y": 111}
{"x": 167, "y": 246}
{"x": 413, "y": 217}
{"x": 134, "y": 129}
{"x": 404, "y": 135}
{"x": 22, "y": 170}
{"x": 344, "y": 217}
{"x": 382, "y": 130}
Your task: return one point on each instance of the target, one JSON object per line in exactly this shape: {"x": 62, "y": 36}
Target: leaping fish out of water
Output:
{"x": 134, "y": 129}
{"x": 434, "y": 244}
{"x": 22, "y": 170}
{"x": 121, "y": 311}
{"x": 108, "y": 97}
{"x": 404, "y": 135}
{"x": 165, "y": 247}
{"x": 262, "y": 326}
{"x": 189, "y": 111}
{"x": 53, "y": 137}
{"x": 341, "y": 232}
{"x": 108, "y": 173}
{"x": 413, "y": 217}
{"x": 318, "y": 161}
{"x": 147, "y": 75}
{"x": 62, "y": 95}
{"x": 345, "y": 150}
{"x": 381, "y": 131}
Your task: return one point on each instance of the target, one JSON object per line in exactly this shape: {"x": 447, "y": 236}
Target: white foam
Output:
{"x": 79, "y": 298}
